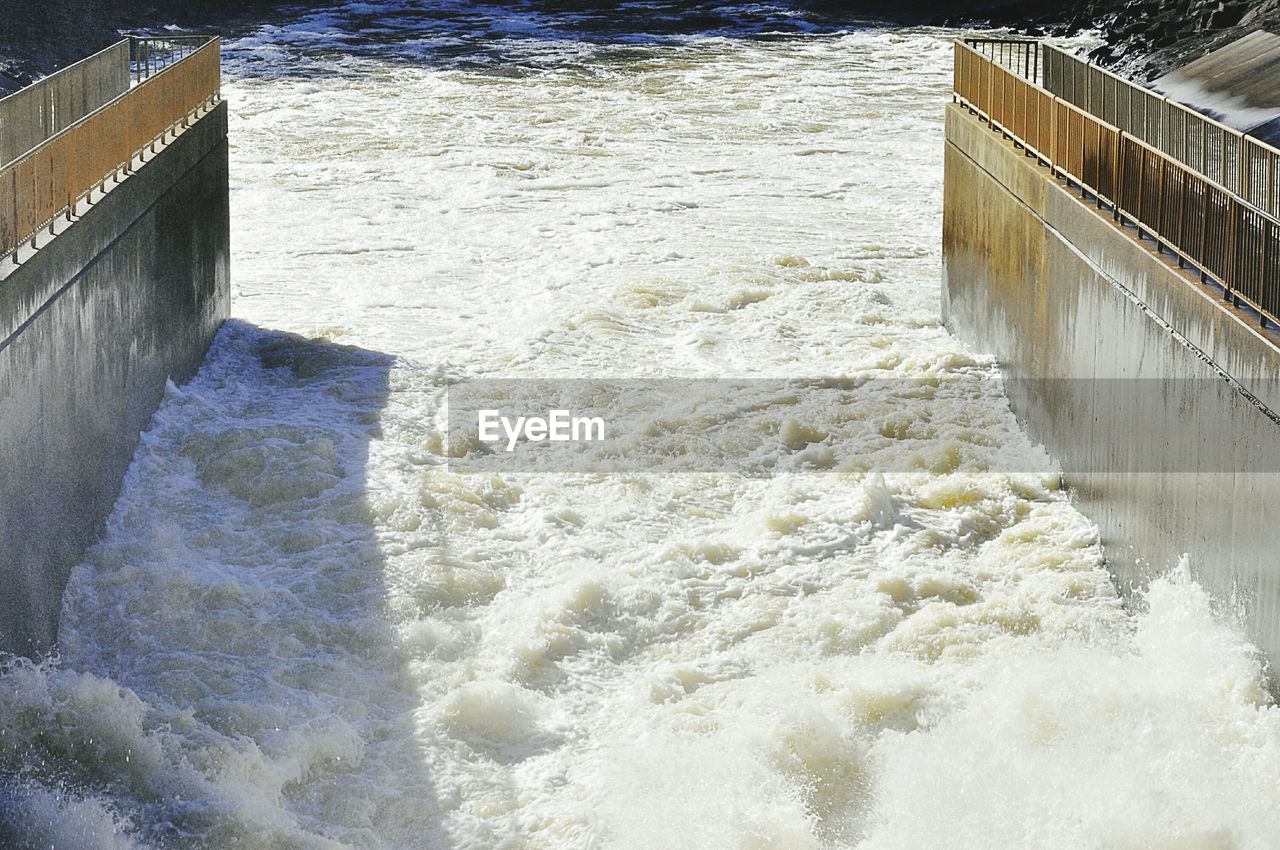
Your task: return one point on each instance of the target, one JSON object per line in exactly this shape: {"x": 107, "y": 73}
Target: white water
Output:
{"x": 302, "y": 631}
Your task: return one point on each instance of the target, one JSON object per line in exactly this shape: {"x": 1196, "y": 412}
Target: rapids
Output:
{"x": 302, "y": 630}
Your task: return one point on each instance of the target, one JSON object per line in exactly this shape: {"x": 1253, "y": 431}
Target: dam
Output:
{"x": 113, "y": 229}
{"x": 1147, "y": 359}
{"x": 302, "y": 626}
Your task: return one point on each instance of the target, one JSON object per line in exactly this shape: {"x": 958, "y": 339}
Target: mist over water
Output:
{"x": 302, "y": 630}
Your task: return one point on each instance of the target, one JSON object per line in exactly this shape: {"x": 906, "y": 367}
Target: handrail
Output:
{"x": 32, "y": 114}
{"x": 1247, "y": 166}
{"x": 152, "y": 54}
{"x": 51, "y": 179}
{"x": 1203, "y": 222}
{"x": 1011, "y": 53}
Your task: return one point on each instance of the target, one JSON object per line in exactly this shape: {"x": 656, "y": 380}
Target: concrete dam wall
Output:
{"x": 1158, "y": 398}
{"x": 92, "y": 324}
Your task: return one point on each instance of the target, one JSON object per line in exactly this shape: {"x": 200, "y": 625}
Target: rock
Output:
{"x": 1224, "y": 17}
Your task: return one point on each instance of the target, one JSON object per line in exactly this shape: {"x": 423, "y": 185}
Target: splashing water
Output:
{"x": 301, "y": 630}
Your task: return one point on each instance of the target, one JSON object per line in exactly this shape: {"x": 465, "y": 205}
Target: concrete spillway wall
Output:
{"x": 92, "y": 324}
{"x": 1158, "y": 399}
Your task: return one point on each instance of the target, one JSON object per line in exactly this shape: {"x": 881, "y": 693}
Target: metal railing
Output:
{"x": 55, "y": 176}
{"x": 1207, "y": 225}
{"x": 151, "y": 55}
{"x": 1020, "y": 55}
{"x": 1245, "y": 165}
{"x": 33, "y": 114}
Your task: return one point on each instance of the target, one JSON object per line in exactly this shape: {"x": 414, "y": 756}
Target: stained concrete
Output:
{"x": 92, "y": 325}
{"x": 1157, "y": 399}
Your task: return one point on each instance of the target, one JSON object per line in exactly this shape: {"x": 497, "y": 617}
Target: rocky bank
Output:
{"x": 1147, "y": 38}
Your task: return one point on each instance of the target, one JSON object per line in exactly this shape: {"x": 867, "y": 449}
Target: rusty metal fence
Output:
{"x": 1207, "y": 225}
{"x": 1243, "y": 164}
{"x": 149, "y": 56}
{"x": 1020, "y": 55}
{"x": 33, "y": 114}
{"x": 55, "y": 176}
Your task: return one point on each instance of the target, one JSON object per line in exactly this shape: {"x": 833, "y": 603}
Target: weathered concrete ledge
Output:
{"x": 92, "y": 325}
{"x": 1158, "y": 401}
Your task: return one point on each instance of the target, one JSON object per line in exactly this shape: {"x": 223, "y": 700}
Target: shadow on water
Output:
{"x": 229, "y": 673}
{"x": 515, "y": 37}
